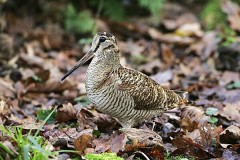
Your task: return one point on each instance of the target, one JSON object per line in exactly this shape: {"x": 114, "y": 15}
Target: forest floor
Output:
{"x": 52, "y": 116}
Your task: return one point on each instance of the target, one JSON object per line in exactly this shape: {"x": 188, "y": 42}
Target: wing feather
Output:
{"x": 146, "y": 93}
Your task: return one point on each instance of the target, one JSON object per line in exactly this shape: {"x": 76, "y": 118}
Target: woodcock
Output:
{"x": 123, "y": 93}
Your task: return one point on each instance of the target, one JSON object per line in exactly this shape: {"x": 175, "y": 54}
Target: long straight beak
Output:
{"x": 83, "y": 60}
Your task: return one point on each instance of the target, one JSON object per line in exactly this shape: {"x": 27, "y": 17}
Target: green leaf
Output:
{"x": 233, "y": 85}
{"x": 213, "y": 120}
{"x": 7, "y": 150}
{"x": 211, "y": 111}
{"x": 96, "y": 133}
{"x": 85, "y": 41}
{"x": 25, "y": 151}
{"x": 154, "y": 6}
{"x": 36, "y": 78}
{"x": 78, "y": 22}
{"x": 114, "y": 10}
{"x": 43, "y": 114}
{"x": 83, "y": 100}
{"x": 212, "y": 15}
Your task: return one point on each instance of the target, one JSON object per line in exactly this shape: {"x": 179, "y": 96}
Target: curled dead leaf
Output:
{"x": 92, "y": 118}
{"x": 66, "y": 112}
{"x": 231, "y": 135}
{"x": 82, "y": 142}
{"x": 194, "y": 113}
{"x": 149, "y": 142}
{"x": 186, "y": 146}
{"x": 189, "y": 125}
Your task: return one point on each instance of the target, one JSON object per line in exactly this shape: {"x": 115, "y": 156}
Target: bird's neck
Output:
{"x": 106, "y": 59}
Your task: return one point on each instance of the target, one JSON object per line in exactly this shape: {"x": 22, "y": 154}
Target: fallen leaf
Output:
{"x": 230, "y": 155}
{"x": 169, "y": 38}
{"x": 232, "y": 111}
{"x": 231, "y": 135}
{"x": 163, "y": 77}
{"x": 118, "y": 142}
{"x": 206, "y": 46}
{"x": 167, "y": 55}
{"x": 66, "y": 113}
{"x": 82, "y": 142}
{"x": 232, "y": 10}
{"x": 7, "y": 89}
{"x": 190, "y": 29}
{"x": 228, "y": 77}
{"x": 188, "y": 125}
{"x": 185, "y": 146}
{"x": 194, "y": 114}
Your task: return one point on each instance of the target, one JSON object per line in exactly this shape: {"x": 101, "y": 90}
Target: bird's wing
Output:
{"x": 146, "y": 93}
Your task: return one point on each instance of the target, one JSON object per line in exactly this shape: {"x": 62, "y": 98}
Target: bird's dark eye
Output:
{"x": 102, "y": 39}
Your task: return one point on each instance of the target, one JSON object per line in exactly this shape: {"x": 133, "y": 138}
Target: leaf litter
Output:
{"x": 185, "y": 57}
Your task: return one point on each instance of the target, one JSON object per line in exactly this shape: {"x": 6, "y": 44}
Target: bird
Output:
{"x": 123, "y": 93}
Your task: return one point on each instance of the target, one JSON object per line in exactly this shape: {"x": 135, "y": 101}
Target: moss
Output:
{"x": 103, "y": 156}
{"x": 212, "y": 15}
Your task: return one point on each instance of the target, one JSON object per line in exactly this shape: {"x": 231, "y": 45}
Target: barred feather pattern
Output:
{"x": 123, "y": 93}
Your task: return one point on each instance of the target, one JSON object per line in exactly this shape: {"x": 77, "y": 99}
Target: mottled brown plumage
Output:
{"x": 124, "y": 93}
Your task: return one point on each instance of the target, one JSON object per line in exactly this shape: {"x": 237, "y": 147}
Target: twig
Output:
{"x": 143, "y": 154}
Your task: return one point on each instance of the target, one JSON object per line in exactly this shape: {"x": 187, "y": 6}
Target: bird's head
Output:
{"x": 101, "y": 44}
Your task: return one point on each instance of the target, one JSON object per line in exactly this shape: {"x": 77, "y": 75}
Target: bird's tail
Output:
{"x": 183, "y": 95}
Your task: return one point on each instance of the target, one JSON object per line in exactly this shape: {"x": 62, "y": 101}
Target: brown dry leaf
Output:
{"x": 84, "y": 119}
{"x": 164, "y": 77}
{"x": 188, "y": 124}
{"x": 117, "y": 142}
{"x": 131, "y": 47}
{"x": 50, "y": 86}
{"x": 113, "y": 143}
{"x": 167, "y": 55}
{"x": 169, "y": 38}
{"x": 206, "y": 46}
{"x": 63, "y": 137}
{"x": 31, "y": 59}
{"x": 228, "y": 77}
{"x": 207, "y": 134}
{"x": 20, "y": 25}
{"x": 174, "y": 15}
{"x": 232, "y": 111}
{"x": 102, "y": 144}
{"x": 231, "y": 135}
{"x": 4, "y": 108}
{"x": 151, "y": 66}
{"x": 102, "y": 25}
{"x": 233, "y": 11}
{"x": 53, "y": 36}
{"x": 194, "y": 113}
{"x": 92, "y": 118}
{"x": 6, "y": 47}
{"x": 6, "y": 88}
{"x": 66, "y": 113}
{"x": 82, "y": 142}
{"x": 185, "y": 146}
{"x": 40, "y": 76}
{"x": 26, "y": 121}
